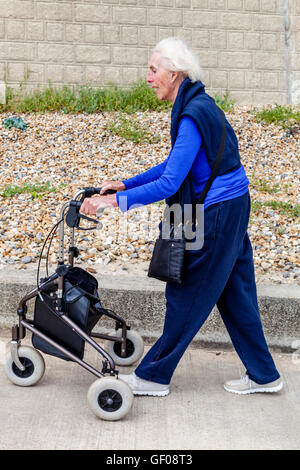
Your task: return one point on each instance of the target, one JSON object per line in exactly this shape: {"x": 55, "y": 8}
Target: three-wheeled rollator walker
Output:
{"x": 67, "y": 308}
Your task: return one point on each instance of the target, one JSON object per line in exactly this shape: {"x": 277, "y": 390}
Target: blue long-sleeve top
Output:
{"x": 164, "y": 180}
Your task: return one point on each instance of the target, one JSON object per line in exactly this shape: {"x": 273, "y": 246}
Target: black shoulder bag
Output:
{"x": 168, "y": 254}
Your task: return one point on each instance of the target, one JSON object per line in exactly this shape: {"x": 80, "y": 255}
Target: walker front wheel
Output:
{"x": 33, "y": 363}
{"x": 134, "y": 348}
{"x": 110, "y": 398}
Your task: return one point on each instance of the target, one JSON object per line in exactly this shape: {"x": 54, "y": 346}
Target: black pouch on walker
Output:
{"x": 81, "y": 304}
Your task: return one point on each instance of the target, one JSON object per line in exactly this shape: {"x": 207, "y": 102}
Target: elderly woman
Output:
{"x": 221, "y": 272}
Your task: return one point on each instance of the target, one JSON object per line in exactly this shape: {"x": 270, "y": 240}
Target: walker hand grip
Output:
{"x": 89, "y": 192}
{"x": 109, "y": 191}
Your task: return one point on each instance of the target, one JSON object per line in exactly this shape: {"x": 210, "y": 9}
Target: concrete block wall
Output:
{"x": 251, "y": 47}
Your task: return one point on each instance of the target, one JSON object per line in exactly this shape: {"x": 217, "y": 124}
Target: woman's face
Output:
{"x": 160, "y": 78}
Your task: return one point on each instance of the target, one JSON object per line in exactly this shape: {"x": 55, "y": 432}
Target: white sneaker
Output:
{"x": 144, "y": 387}
{"x": 245, "y": 385}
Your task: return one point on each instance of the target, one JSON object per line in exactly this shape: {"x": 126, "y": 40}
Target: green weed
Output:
{"x": 83, "y": 98}
{"x": 264, "y": 186}
{"x": 225, "y": 102}
{"x": 280, "y": 230}
{"x": 256, "y": 207}
{"x": 284, "y": 208}
{"x": 90, "y": 99}
{"x": 286, "y": 116}
{"x": 36, "y": 190}
{"x": 131, "y": 129}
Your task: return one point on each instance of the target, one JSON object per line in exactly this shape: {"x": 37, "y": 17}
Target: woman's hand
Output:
{"x": 91, "y": 205}
{"x": 115, "y": 185}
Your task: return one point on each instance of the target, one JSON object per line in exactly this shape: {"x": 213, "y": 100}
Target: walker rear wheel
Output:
{"x": 134, "y": 348}
{"x": 110, "y": 398}
{"x": 34, "y": 365}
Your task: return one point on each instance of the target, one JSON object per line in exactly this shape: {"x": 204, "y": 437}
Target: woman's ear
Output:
{"x": 173, "y": 76}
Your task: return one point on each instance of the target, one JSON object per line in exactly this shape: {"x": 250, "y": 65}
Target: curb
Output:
{"x": 141, "y": 302}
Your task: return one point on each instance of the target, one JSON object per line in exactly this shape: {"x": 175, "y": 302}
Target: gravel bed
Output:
{"x": 69, "y": 152}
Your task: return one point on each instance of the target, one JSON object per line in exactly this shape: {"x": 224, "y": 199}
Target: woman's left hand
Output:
{"x": 90, "y": 205}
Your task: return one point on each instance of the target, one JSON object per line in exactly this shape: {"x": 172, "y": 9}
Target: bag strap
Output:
{"x": 216, "y": 167}
{"x": 213, "y": 174}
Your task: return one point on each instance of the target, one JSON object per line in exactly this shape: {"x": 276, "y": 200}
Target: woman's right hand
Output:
{"x": 115, "y": 185}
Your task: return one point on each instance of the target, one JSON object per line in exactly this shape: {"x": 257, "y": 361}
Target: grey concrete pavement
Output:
{"x": 198, "y": 413}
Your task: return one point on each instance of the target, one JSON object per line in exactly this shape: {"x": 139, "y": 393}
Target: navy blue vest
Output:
{"x": 193, "y": 101}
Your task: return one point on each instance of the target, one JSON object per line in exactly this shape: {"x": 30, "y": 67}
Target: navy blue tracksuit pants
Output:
{"x": 221, "y": 273}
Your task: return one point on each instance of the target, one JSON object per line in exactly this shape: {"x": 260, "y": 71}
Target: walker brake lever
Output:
{"x": 73, "y": 216}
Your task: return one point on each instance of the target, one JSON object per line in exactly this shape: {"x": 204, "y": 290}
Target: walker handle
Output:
{"x": 108, "y": 191}
{"x": 89, "y": 192}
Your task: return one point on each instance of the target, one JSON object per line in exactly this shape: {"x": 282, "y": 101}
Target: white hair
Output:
{"x": 176, "y": 56}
